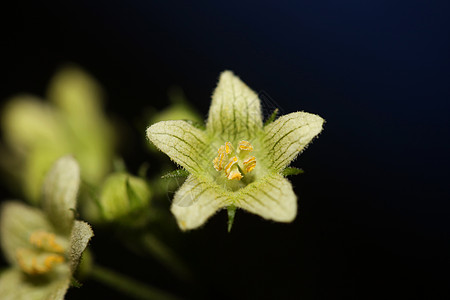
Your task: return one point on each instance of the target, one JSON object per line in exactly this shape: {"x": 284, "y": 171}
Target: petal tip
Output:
{"x": 227, "y": 73}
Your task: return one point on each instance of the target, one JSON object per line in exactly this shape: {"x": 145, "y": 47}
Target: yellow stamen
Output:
{"x": 220, "y": 159}
{"x": 250, "y": 164}
{"x": 234, "y": 175}
{"x": 221, "y": 149}
{"x": 234, "y": 162}
{"x": 217, "y": 165}
{"x": 46, "y": 241}
{"x": 230, "y": 164}
{"x": 52, "y": 259}
{"x": 228, "y": 147}
{"x": 33, "y": 262}
{"x": 245, "y": 146}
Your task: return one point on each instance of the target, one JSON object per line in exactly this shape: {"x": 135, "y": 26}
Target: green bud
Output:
{"x": 180, "y": 109}
{"x": 122, "y": 194}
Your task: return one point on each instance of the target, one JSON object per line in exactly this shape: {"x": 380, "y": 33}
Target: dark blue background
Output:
{"x": 374, "y": 202}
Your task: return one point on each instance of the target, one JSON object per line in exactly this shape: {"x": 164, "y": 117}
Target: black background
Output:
{"x": 374, "y": 202}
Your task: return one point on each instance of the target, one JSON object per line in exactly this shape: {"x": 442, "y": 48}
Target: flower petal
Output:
{"x": 79, "y": 239}
{"x": 235, "y": 111}
{"x": 59, "y": 289}
{"x": 17, "y": 223}
{"x": 196, "y": 201}
{"x": 183, "y": 143}
{"x": 271, "y": 197}
{"x": 288, "y": 136}
{"x": 78, "y": 98}
{"x": 38, "y": 162}
{"x": 27, "y": 121}
{"x": 60, "y": 192}
{"x": 75, "y": 92}
{"x": 14, "y": 285}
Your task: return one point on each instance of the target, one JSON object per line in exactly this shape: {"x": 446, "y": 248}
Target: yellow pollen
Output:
{"x": 220, "y": 159}
{"x": 250, "y": 164}
{"x": 230, "y": 164}
{"x": 33, "y": 262}
{"x": 234, "y": 162}
{"x": 42, "y": 255}
{"x": 52, "y": 259}
{"x": 246, "y": 146}
{"x": 46, "y": 241}
{"x": 217, "y": 165}
{"x": 228, "y": 148}
{"x": 235, "y": 174}
{"x": 221, "y": 150}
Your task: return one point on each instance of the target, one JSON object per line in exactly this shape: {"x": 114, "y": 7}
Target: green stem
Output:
{"x": 166, "y": 256}
{"x": 128, "y": 286}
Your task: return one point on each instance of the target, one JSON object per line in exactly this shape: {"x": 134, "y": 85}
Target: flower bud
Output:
{"x": 122, "y": 194}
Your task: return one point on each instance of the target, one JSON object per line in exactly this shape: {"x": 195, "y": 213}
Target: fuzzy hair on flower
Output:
{"x": 237, "y": 161}
{"x": 44, "y": 246}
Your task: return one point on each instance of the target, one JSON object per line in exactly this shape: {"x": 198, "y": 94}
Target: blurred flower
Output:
{"x": 37, "y": 133}
{"x": 44, "y": 246}
{"x": 122, "y": 195}
{"x": 236, "y": 161}
{"x": 179, "y": 109}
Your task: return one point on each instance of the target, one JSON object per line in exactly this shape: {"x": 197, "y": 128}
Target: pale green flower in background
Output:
{"x": 237, "y": 161}
{"x": 179, "y": 108}
{"x": 44, "y": 246}
{"x": 36, "y": 132}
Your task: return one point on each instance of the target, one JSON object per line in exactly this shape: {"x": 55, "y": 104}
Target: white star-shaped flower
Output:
{"x": 236, "y": 161}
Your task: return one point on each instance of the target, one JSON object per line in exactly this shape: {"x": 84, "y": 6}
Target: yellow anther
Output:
{"x": 245, "y": 146}
{"x": 217, "y": 165}
{"x": 230, "y": 164}
{"x": 52, "y": 259}
{"x": 221, "y": 150}
{"x": 250, "y": 164}
{"x": 234, "y": 162}
{"x": 228, "y": 148}
{"x": 234, "y": 175}
{"x": 45, "y": 241}
{"x": 33, "y": 262}
{"x": 250, "y": 168}
{"x": 221, "y": 158}
{"x": 219, "y": 161}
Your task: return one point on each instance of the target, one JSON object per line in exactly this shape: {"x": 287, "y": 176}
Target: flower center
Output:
{"x": 45, "y": 252}
{"x": 235, "y": 163}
